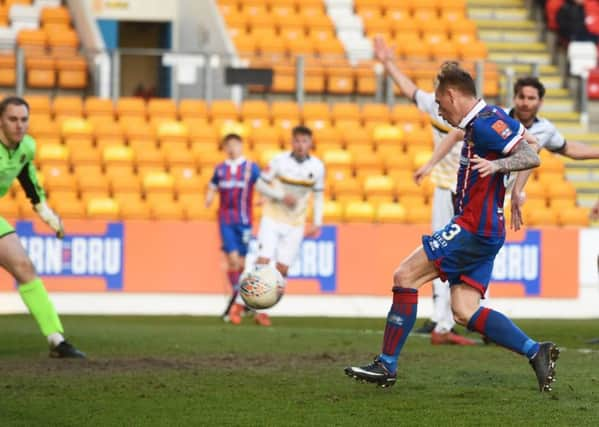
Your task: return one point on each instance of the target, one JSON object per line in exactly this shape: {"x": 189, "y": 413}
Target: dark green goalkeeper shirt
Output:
{"x": 18, "y": 163}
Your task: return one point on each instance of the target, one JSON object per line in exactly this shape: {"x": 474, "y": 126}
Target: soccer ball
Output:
{"x": 262, "y": 287}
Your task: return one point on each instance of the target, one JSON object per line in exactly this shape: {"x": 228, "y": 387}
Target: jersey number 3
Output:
{"x": 451, "y": 232}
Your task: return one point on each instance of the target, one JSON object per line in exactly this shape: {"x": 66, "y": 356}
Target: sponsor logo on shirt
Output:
{"x": 502, "y": 129}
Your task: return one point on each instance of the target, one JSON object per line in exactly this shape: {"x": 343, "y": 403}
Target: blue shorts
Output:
{"x": 461, "y": 256}
{"x": 235, "y": 237}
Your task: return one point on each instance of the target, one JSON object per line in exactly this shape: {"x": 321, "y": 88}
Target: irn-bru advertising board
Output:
{"x": 346, "y": 259}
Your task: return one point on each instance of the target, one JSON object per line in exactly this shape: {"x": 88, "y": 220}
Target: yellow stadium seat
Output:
{"x": 117, "y": 155}
{"x": 560, "y": 204}
{"x": 162, "y": 107}
{"x": 346, "y": 186}
{"x": 98, "y": 106}
{"x": 131, "y": 106}
{"x": 266, "y": 135}
{"x": 70, "y": 209}
{"x": 379, "y": 185}
{"x": 316, "y": 111}
{"x": 57, "y": 196}
{"x": 375, "y": 113}
{"x": 223, "y": 109}
{"x": 150, "y": 157}
{"x": 68, "y": 106}
{"x": 368, "y": 163}
{"x": 76, "y": 127}
{"x": 59, "y": 178}
{"x": 172, "y": 131}
{"x": 563, "y": 190}
{"x": 93, "y": 182}
{"x": 169, "y": 211}
{"x": 574, "y": 216}
{"x": 53, "y": 154}
{"x": 418, "y": 214}
{"x": 391, "y": 213}
{"x": 72, "y": 72}
{"x": 536, "y": 217}
{"x": 193, "y": 109}
{"x": 197, "y": 212}
{"x": 137, "y": 129}
{"x": 534, "y": 189}
{"x": 550, "y": 164}
{"x": 336, "y": 158}
{"x": 39, "y": 104}
{"x": 105, "y": 208}
{"x": 135, "y": 210}
{"x": 388, "y": 134}
{"x": 332, "y": 211}
{"x": 359, "y": 212}
{"x": 473, "y": 51}
{"x": 356, "y": 136}
{"x": 85, "y": 154}
{"x": 406, "y": 187}
{"x": 178, "y": 156}
{"x": 86, "y": 196}
{"x": 158, "y": 182}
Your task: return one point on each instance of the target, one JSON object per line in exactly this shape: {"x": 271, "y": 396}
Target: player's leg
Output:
{"x": 288, "y": 248}
{"x": 441, "y": 318}
{"x": 15, "y": 260}
{"x": 499, "y": 328}
{"x": 268, "y": 237}
{"x": 413, "y": 272}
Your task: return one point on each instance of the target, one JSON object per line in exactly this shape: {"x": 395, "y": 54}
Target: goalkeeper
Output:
{"x": 16, "y": 161}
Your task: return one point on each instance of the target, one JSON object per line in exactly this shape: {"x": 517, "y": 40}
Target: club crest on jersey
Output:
{"x": 502, "y": 129}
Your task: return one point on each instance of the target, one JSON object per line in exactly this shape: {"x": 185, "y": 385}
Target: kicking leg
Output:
{"x": 413, "y": 272}
{"x": 14, "y": 259}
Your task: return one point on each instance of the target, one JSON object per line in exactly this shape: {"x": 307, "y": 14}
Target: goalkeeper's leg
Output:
{"x": 14, "y": 259}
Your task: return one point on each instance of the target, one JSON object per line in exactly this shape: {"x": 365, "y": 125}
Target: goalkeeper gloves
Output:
{"x": 50, "y": 218}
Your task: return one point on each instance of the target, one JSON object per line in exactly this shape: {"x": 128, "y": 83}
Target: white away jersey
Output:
{"x": 445, "y": 173}
{"x": 546, "y": 133}
{"x": 297, "y": 178}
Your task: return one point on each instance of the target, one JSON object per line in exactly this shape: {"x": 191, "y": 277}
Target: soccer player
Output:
{"x": 463, "y": 251}
{"x": 234, "y": 179}
{"x": 287, "y": 185}
{"x": 16, "y": 161}
{"x": 528, "y": 100}
{"x": 444, "y": 177}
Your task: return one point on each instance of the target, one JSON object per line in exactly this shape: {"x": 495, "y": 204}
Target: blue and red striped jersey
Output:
{"x": 491, "y": 134}
{"x": 235, "y": 180}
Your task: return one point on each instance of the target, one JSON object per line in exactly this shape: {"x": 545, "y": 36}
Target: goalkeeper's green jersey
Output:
{"x": 18, "y": 163}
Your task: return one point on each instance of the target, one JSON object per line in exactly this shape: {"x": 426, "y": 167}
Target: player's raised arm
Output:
{"x": 441, "y": 150}
{"x": 384, "y": 54}
{"x": 30, "y": 184}
{"x": 579, "y": 151}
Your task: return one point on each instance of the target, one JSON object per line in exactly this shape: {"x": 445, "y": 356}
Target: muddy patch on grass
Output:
{"x": 221, "y": 362}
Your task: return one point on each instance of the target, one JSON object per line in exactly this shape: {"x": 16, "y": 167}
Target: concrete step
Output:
{"x": 495, "y": 35}
{"x": 511, "y": 13}
{"x": 586, "y": 200}
{"x": 502, "y": 24}
{"x": 502, "y": 46}
{"x": 496, "y": 4}
{"x": 545, "y": 70}
{"x": 591, "y": 138}
{"x": 570, "y": 118}
{"x": 516, "y": 57}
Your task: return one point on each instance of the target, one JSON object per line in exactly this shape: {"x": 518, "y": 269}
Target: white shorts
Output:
{"x": 279, "y": 241}
{"x": 443, "y": 209}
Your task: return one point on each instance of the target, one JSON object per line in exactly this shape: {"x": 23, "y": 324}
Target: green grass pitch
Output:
{"x": 195, "y": 371}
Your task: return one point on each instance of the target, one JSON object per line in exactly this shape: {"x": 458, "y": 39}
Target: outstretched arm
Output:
{"x": 441, "y": 150}
{"x": 385, "y": 56}
{"x": 579, "y": 151}
{"x": 595, "y": 211}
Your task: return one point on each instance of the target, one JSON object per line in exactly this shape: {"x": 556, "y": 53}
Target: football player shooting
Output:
{"x": 463, "y": 251}
{"x": 16, "y": 157}
{"x": 234, "y": 179}
{"x": 528, "y": 100}
{"x": 287, "y": 185}
{"x": 444, "y": 177}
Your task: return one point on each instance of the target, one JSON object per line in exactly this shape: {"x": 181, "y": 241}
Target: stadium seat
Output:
{"x": 332, "y": 212}
{"x": 359, "y": 212}
{"x": 72, "y": 72}
{"x": 105, "y": 208}
{"x": 41, "y": 72}
{"x": 70, "y": 209}
{"x": 76, "y": 127}
{"x": 117, "y": 155}
{"x": 192, "y": 109}
{"x": 135, "y": 210}
{"x": 391, "y": 213}
{"x": 418, "y": 214}
{"x": 93, "y": 182}
{"x": 163, "y": 108}
{"x": 59, "y": 178}
{"x": 52, "y": 154}
{"x": 130, "y": 106}
{"x": 562, "y": 190}
{"x": 538, "y": 217}
{"x": 574, "y": 216}
{"x": 68, "y": 106}
{"x": 94, "y": 106}
{"x": 379, "y": 185}
{"x": 167, "y": 211}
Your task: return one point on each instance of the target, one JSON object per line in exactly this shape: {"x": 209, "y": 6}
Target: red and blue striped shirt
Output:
{"x": 491, "y": 134}
{"x": 235, "y": 180}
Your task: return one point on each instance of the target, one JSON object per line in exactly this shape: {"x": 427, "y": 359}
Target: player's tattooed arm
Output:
{"x": 522, "y": 157}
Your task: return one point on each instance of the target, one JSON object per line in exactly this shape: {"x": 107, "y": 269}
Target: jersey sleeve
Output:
{"x": 499, "y": 133}
{"x": 425, "y": 101}
{"x": 214, "y": 180}
{"x": 320, "y": 177}
{"x": 255, "y": 174}
{"x": 28, "y": 180}
{"x": 556, "y": 141}
{"x": 271, "y": 171}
